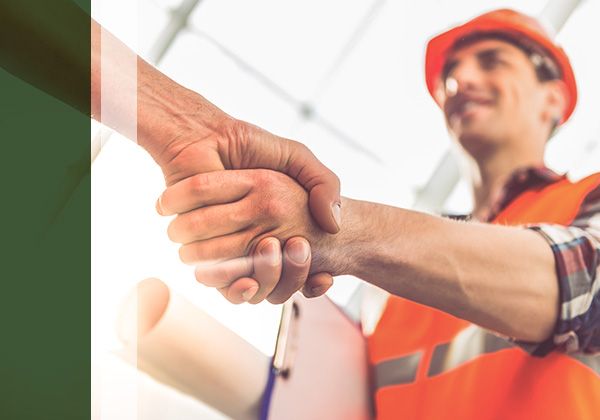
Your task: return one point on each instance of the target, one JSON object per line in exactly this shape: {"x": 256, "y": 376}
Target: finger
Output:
{"x": 296, "y": 266}
{"x": 325, "y": 208}
{"x": 216, "y": 249}
{"x": 223, "y": 273}
{"x": 267, "y": 261}
{"x": 317, "y": 285}
{"x": 209, "y": 222}
{"x": 203, "y": 190}
{"x": 240, "y": 291}
{"x": 323, "y": 186}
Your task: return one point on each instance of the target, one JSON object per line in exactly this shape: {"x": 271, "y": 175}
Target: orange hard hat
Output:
{"x": 503, "y": 21}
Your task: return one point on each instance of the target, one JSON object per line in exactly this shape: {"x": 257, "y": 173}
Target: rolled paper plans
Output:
{"x": 180, "y": 345}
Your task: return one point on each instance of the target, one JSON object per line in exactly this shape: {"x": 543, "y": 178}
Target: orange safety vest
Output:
{"x": 428, "y": 364}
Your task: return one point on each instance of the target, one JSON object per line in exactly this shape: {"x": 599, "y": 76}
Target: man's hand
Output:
{"x": 237, "y": 214}
{"x": 268, "y": 268}
{"x": 187, "y": 135}
{"x": 227, "y": 143}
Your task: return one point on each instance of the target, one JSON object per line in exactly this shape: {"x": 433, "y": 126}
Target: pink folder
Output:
{"x": 320, "y": 368}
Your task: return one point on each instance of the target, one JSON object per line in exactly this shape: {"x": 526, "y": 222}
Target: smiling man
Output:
{"x": 497, "y": 317}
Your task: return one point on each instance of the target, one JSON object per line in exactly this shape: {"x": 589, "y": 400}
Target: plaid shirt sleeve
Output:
{"x": 576, "y": 251}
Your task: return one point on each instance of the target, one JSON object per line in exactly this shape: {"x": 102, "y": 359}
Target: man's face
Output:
{"x": 492, "y": 95}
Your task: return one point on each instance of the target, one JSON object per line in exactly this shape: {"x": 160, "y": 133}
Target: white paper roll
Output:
{"x": 181, "y": 346}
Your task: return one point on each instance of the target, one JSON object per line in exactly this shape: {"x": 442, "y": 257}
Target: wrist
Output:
{"x": 338, "y": 254}
{"x": 171, "y": 117}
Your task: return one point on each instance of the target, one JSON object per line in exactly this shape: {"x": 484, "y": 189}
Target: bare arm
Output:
{"x": 502, "y": 278}
{"x": 186, "y": 134}
{"x": 180, "y": 129}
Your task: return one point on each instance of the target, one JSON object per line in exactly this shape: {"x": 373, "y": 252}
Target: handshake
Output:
{"x": 257, "y": 214}
{"x": 252, "y": 233}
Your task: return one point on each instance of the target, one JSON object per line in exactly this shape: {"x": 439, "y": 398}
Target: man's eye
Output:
{"x": 489, "y": 63}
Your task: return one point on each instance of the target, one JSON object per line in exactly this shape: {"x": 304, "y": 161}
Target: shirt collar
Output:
{"x": 521, "y": 180}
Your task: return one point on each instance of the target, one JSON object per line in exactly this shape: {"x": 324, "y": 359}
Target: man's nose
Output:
{"x": 465, "y": 76}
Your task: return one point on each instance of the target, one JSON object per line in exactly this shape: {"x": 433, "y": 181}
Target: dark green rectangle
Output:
{"x": 45, "y": 211}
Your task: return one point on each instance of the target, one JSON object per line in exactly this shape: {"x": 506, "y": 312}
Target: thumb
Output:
{"x": 321, "y": 183}
{"x": 257, "y": 148}
{"x": 325, "y": 206}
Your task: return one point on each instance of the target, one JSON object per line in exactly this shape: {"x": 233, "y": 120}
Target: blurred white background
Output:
{"x": 358, "y": 66}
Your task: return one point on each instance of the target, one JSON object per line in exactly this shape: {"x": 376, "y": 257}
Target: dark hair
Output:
{"x": 543, "y": 62}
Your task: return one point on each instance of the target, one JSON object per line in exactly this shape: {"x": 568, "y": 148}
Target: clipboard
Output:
{"x": 320, "y": 367}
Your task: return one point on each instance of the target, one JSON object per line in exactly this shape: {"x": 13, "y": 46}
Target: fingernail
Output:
{"x": 270, "y": 253}
{"x": 299, "y": 252}
{"x": 249, "y": 293}
{"x": 318, "y": 290}
{"x": 159, "y": 205}
{"x": 336, "y": 209}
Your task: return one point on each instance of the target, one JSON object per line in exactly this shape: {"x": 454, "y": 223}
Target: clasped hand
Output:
{"x": 232, "y": 225}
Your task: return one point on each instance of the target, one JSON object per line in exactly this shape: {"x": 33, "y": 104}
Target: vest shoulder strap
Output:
{"x": 556, "y": 203}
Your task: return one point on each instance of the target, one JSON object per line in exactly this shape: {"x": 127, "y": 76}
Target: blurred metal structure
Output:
{"x": 306, "y": 109}
{"x": 556, "y": 13}
{"x": 177, "y": 22}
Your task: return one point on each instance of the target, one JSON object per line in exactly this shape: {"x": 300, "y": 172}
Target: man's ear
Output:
{"x": 557, "y": 96}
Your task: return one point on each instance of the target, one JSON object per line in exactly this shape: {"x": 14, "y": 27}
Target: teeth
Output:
{"x": 469, "y": 105}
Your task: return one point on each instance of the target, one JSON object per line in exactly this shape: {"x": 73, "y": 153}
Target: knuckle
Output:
{"x": 196, "y": 253}
{"x": 200, "y": 253}
{"x": 271, "y": 207}
{"x": 299, "y": 147}
{"x": 194, "y": 223}
{"x": 261, "y": 178}
{"x": 198, "y": 184}
{"x": 335, "y": 178}
{"x": 241, "y": 215}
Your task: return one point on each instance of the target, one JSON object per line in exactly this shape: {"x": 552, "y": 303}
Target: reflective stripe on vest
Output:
{"x": 470, "y": 343}
{"x": 430, "y": 365}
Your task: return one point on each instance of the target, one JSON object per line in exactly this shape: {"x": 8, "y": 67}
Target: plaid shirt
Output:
{"x": 576, "y": 251}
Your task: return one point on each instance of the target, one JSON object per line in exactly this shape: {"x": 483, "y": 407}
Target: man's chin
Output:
{"x": 475, "y": 138}
{"x": 473, "y": 128}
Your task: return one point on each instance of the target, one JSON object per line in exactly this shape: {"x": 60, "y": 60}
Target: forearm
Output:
{"x": 126, "y": 88}
{"x": 502, "y": 278}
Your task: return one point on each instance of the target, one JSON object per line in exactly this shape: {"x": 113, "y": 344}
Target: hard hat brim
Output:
{"x": 507, "y": 21}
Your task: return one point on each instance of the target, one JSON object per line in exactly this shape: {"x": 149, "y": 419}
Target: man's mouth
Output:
{"x": 461, "y": 106}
